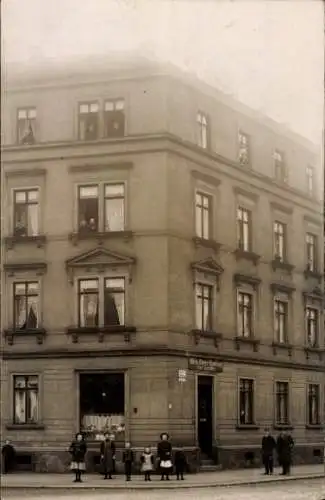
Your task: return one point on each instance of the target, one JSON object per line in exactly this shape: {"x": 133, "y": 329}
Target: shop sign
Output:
{"x": 205, "y": 365}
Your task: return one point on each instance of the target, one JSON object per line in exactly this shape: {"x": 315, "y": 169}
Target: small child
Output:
{"x": 147, "y": 461}
{"x": 128, "y": 458}
{"x": 180, "y": 464}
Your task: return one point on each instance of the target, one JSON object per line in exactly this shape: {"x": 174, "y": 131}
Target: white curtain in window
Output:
{"x": 20, "y": 407}
{"x": 32, "y": 311}
{"x": 33, "y": 219}
{"x": 89, "y": 310}
{"x": 114, "y": 214}
{"x": 20, "y": 311}
{"x": 33, "y": 405}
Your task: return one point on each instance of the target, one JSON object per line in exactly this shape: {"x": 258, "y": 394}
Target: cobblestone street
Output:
{"x": 313, "y": 489}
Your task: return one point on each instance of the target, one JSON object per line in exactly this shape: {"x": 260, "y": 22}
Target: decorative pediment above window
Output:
{"x": 243, "y": 279}
{"x": 208, "y": 268}
{"x": 286, "y": 288}
{"x": 99, "y": 260}
{"x": 314, "y": 297}
{"x": 39, "y": 268}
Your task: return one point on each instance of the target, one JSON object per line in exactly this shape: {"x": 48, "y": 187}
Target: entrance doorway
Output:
{"x": 205, "y": 413}
{"x": 101, "y": 405}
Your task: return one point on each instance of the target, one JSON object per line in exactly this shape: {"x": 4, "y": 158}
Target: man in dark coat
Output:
{"x": 285, "y": 445}
{"x": 164, "y": 452}
{"x": 268, "y": 447}
{"x": 128, "y": 458}
{"x": 107, "y": 456}
{"x": 8, "y": 457}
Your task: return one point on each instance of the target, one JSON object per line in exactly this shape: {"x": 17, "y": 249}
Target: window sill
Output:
{"x": 206, "y": 334}
{"x": 317, "y": 350}
{"x": 247, "y": 255}
{"x": 247, "y": 340}
{"x": 100, "y": 331}
{"x": 283, "y": 427}
{"x": 279, "y": 264}
{"x": 313, "y": 274}
{"x": 247, "y": 427}
{"x": 12, "y": 241}
{"x": 316, "y": 427}
{"x": 25, "y": 427}
{"x": 99, "y": 236}
{"x": 208, "y": 243}
{"x": 279, "y": 345}
{"x": 39, "y": 333}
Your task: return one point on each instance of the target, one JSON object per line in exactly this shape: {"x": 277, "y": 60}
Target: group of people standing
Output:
{"x": 78, "y": 449}
{"x": 283, "y": 447}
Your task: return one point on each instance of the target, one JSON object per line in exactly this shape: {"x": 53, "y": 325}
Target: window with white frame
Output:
{"x": 114, "y": 118}
{"x": 281, "y": 320}
{"x": 311, "y": 251}
{"x": 95, "y": 200}
{"x": 282, "y": 403}
{"x": 313, "y": 404}
{"x": 26, "y": 212}
{"x": 26, "y": 300}
{"x": 203, "y": 215}
{"x": 101, "y": 302}
{"x": 246, "y": 401}
{"x": 88, "y": 121}
{"x": 203, "y": 130}
{"x": 244, "y": 229}
{"x": 279, "y": 234}
{"x": 280, "y": 172}
{"x": 243, "y": 145}
{"x": 26, "y": 125}
{"x": 26, "y": 399}
{"x": 310, "y": 179}
{"x": 245, "y": 314}
{"x": 203, "y": 306}
{"x": 312, "y": 326}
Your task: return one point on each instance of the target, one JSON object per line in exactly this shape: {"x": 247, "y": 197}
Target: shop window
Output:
{"x": 102, "y": 405}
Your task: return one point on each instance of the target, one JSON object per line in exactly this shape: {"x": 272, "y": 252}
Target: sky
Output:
{"x": 267, "y": 54}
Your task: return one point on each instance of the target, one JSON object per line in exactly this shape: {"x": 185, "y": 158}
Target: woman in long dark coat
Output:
{"x": 78, "y": 450}
{"x": 107, "y": 456}
{"x": 164, "y": 452}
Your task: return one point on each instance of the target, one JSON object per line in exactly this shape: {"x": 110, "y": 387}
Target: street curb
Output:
{"x": 170, "y": 486}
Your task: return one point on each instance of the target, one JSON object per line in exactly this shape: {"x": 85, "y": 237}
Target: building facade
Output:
{"x": 162, "y": 270}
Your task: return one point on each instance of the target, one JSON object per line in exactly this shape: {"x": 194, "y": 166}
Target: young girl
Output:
{"x": 78, "y": 449}
{"x": 147, "y": 461}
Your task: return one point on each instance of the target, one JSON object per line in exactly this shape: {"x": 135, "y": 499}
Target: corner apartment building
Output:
{"x": 163, "y": 268}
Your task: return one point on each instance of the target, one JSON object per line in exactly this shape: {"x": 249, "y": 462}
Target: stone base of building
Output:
{"x": 227, "y": 458}
{"x": 250, "y": 457}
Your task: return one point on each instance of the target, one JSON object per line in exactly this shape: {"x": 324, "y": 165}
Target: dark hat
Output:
{"x": 164, "y": 434}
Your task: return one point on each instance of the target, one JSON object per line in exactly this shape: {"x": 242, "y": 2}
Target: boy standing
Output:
{"x": 128, "y": 458}
{"x": 180, "y": 464}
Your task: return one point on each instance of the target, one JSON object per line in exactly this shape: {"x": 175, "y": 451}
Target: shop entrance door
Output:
{"x": 205, "y": 413}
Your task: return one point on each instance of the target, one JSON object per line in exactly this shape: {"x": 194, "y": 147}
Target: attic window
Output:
{"x": 114, "y": 118}
{"x": 26, "y": 124}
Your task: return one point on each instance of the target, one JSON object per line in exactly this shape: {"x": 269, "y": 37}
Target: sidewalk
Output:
{"x": 200, "y": 480}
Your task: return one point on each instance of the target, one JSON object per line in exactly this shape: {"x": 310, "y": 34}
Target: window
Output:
{"x": 101, "y": 303}
{"x": 88, "y": 121}
{"x": 26, "y": 210}
{"x": 26, "y": 305}
{"x": 282, "y": 403}
{"x": 313, "y": 404}
{"x": 95, "y": 200}
{"x": 244, "y": 218}
{"x": 279, "y": 167}
{"x": 26, "y": 399}
{"x": 26, "y": 125}
{"x": 246, "y": 401}
{"x": 245, "y": 314}
{"x": 114, "y": 207}
{"x": 203, "y": 307}
{"x": 114, "y": 118}
{"x": 243, "y": 154}
{"x": 312, "y": 326}
{"x": 311, "y": 250}
{"x": 203, "y": 215}
{"x": 279, "y": 231}
{"x": 202, "y": 123}
{"x": 280, "y": 320}
{"x": 310, "y": 179}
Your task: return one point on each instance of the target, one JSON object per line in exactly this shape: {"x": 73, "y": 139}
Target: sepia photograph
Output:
{"x": 162, "y": 250}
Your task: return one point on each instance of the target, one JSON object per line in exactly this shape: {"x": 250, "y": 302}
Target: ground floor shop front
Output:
{"x": 214, "y": 408}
